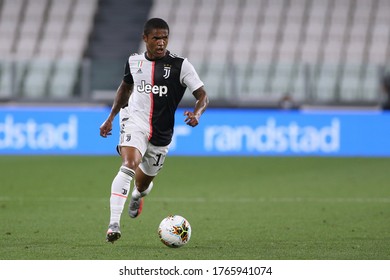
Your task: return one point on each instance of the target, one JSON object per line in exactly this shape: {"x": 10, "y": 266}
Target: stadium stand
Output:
{"x": 310, "y": 49}
{"x": 42, "y": 45}
{"x": 248, "y": 52}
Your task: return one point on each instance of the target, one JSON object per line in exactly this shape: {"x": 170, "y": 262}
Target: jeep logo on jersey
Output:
{"x": 148, "y": 88}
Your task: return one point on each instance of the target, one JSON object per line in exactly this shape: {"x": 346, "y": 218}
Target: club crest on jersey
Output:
{"x": 155, "y": 89}
{"x": 167, "y": 71}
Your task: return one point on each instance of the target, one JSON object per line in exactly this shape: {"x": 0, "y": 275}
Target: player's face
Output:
{"x": 156, "y": 43}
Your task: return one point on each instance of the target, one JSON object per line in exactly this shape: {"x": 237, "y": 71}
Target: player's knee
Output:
{"x": 131, "y": 157}
{"x": 131, "y": 164}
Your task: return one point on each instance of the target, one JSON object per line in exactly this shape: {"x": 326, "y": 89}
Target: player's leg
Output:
{"x": 131, "y": 157}
{"x": 119, "y": 191}
{"x": 143, "y": 184}
{"x": 132, "y": 146}
{"x": 150, "y": 166}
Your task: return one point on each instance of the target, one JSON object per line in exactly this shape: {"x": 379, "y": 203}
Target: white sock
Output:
{"x": 137, "y": 194}
{"x": 119, "y": 192}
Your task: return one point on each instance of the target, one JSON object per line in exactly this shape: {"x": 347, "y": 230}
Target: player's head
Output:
{"x": 155, "y": 23}
{"x": 156, "y": 32}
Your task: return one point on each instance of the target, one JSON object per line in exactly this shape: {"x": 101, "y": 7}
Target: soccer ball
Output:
{"x": 174, "y": 231}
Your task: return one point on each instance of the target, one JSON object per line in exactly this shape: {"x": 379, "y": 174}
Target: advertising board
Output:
{"x": 221, "y": 132}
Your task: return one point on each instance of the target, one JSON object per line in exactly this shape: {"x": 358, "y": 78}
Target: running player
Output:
{"x": 154, "y": 83}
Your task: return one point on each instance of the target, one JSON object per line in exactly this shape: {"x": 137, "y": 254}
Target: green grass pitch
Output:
{"x": 270, "y": 208}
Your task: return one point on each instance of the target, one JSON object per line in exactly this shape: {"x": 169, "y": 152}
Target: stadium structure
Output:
{"x": 248, "y": 52}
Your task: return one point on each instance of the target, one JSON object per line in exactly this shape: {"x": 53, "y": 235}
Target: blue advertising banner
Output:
{"x": 287, "y": 133}
{"x": 221, "y": 132}
{"x": 53, "y": 130}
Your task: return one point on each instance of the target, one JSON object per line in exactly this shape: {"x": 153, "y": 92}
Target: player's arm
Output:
{"x": 121, "y": 99}
{"x": 201, "y": 104}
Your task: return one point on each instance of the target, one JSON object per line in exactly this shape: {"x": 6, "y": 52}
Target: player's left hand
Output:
{"x": 191, "y": 119}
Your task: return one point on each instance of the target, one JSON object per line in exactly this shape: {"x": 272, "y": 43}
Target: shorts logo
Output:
{"x": 128, "y": 137}
{"x": 148, "y": 88}
{"x": 167, "y": 71}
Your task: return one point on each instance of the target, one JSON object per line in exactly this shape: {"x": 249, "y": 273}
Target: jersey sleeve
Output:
{"x": 189, "y": 77}
{"x": 128, "y": 77}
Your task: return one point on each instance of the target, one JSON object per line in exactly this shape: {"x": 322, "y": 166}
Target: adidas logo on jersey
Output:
{"x": 148, "y": 88}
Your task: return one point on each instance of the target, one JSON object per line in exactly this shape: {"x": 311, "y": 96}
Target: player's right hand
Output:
{"x": 105, "y": 128}
{"x": 191, "y": 119}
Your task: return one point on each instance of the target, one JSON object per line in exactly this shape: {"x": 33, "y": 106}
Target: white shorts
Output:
{"x": 153, "y": 157}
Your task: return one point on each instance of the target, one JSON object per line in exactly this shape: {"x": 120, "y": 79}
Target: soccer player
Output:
{"x": 153, "y": 85}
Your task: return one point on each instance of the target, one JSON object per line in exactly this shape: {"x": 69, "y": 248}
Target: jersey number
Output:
{"x": 159, "y": 160}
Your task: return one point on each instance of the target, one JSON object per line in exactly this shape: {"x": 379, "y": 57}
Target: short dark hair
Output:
{"x": 155, "y": 23}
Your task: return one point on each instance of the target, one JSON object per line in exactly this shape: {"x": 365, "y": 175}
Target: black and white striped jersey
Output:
{"x": 159, "y": 86}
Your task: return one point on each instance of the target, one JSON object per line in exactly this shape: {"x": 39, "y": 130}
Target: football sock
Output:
{"x": 137, "y": 194}
{"x": 119, "y": 192}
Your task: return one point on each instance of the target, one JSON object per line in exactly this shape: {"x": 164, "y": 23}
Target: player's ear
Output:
{"x": 145, "y": 38}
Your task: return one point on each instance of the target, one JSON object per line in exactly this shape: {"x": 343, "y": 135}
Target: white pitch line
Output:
{"x": 214, "y": 200}
{"x": 278, "y": 200}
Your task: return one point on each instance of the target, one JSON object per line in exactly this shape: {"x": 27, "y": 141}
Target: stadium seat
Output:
{"x": 35, "y": 83}
{"x": 64, "y": 78}
{"x": 350, "y": 84}
{"x": 281, "y": 78}
{"x": 371, "y": 83}
{"x": 5, "y": 79}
